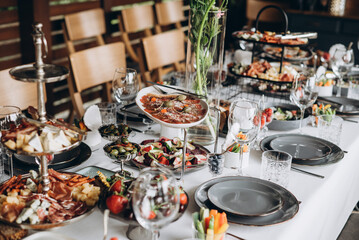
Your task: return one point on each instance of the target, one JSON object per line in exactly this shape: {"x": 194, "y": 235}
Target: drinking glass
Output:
{"x": 9, "y": 115}
{"x": 330, "y": 128}
{"x": 243, "y": 125}
{"x": 341, "y": 62}
{"x": 155, "y": 199}
{"x": 303, "y": 95}
{"x": 125, "y": 86}
{"x": 108, "y": 113}
{"x": 276, "y": 167}
{"x": 353, "y": 90}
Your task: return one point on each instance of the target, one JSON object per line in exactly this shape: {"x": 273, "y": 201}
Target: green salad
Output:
{"x": 284, "y": 114}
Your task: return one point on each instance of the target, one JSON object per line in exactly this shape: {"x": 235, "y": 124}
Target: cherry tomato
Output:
{"x": 117, "y": 186}
{"x": 116, "y": 203}
{"x": 263, "y": 121}
{"x": 188, "y": 163}
{"x": 268, "y": 119}
{"x": 152, "y": 215}
{"x": 183, "y": 199}
{"x": 255, "y": 121}
{"x": 164, "y": 161}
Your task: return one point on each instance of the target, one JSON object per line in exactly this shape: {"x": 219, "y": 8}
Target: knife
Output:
{"x": 178, "y": 89}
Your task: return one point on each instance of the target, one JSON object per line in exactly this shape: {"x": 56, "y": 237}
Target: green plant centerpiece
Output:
{"x": 204, "y": 61}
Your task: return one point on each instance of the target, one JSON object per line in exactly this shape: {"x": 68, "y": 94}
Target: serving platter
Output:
{"x": 76, "y": 156}
{"x": 49, "y": 225}
{"x": 336, "y": 154}
{"x": 245, "y": 198}
{"x": 288, "y": 210}
{"x": 152, "y": 90}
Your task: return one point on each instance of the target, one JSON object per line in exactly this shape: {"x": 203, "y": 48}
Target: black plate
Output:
{"x": 289, "y": 209}
{"x": 21, "y": 167}
{"x": 350, "y": 106}
{"x": 336, "y": 155}
{"x": 59, "y": 159}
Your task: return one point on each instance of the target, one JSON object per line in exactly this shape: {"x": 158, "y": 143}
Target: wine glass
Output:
{"x": 341, "y": 62}
{"x": 125, "y": 86}
{"x": 243, "y": 124}
{"x": 303, "y": 95}
{"x": 155, "y": 199}
{"x": 9, "y": 116}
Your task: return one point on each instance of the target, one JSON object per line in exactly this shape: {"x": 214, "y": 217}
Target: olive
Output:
{"x": 134, "y": 151}
{"x": 121, "y": 149}
{"x": 114, "y": 152}
{"x": 118, "y": 141}
{"x": 125, "y": 141}
{"x": 181, "y": 97}
{"x": 127, "y": 153}
{"x": 112, "y": 127}
{"x": 108, "y": 149}
{"x": 186, "y": 109}
{"x": 129, "y": 148}
{"x": 168, "y": 103}
{"x": 182, "y": 208}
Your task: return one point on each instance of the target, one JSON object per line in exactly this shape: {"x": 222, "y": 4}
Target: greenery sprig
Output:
{"x": 204, "y": 30}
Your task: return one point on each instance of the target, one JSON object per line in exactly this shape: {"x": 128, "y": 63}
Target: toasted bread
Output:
{"x": 11, "y": 233}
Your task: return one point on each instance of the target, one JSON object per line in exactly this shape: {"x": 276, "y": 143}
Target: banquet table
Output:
{"x": 324, "y": 209}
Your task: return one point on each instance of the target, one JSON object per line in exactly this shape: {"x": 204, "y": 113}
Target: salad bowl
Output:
{"x": 286, "y": 117}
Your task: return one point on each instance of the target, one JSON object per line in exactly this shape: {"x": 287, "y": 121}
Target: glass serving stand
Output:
{"x": 41, "y": 73}
{"x": 170, "y": 127}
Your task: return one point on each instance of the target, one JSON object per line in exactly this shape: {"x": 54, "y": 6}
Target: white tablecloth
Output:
{"x": 325, "y": 203}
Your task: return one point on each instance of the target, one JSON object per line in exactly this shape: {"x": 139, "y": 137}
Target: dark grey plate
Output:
{"x": 301, "y": 147}
{"x": 336, "y": 155}
{"x": 245, "y": 198}
{"x": 289, "y": 209}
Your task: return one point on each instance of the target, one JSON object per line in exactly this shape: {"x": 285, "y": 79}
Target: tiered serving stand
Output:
{"x": 41, "y": 73}
{"x": 169, "y": 127}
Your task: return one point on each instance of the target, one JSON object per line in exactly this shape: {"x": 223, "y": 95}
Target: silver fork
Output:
{"x": 105, "y": 223}
{"x": 158, "y": 89}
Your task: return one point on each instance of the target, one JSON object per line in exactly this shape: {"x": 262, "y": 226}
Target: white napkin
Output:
{"x": 92, "y": 118}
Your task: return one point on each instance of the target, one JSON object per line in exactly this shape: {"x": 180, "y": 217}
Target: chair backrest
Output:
{"x": 92, "y": 67}
{"x": 16, "y": 93}
{"x": 135, "y": 19}
{"x": 170, "y": 12}
{"x": 161, "y": 50}
{"x": 84, "y": 25}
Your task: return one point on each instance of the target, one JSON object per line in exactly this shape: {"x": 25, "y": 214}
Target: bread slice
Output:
{"x": 11, "y": 233}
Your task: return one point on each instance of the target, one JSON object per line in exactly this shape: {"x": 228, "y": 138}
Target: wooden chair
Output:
{"x": 133, "y": 20}
{"x": 84, "y": 25}
{"x": 160, "y": 51}
{"x": 92, "y": 67}
{"x": 16, "y": 93}
{"x": 168, "y": 13}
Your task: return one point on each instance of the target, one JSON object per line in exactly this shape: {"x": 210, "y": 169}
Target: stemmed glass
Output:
{"x": 243, "y": 124}
{"x": 341, "y": 62}
{"x": 125, "y": 86}
{"x": 155, "y": 199}
{"x": 303, "y": 95}
{"x": 9, "y": 115}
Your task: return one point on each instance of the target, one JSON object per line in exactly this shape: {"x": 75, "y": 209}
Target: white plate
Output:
{"x": 47, "y": 236}
{"x": 152, "y": 90}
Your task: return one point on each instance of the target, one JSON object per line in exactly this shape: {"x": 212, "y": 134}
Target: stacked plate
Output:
{"x": 305, "y": 149}
{"x": 248, "y": 201}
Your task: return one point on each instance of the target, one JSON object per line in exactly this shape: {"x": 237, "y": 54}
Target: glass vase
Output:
{"x": 204, "y": 67}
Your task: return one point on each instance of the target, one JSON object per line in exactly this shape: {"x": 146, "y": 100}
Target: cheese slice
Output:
{"x": 35, "y": 142}
{"x": 62, "y": 139}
